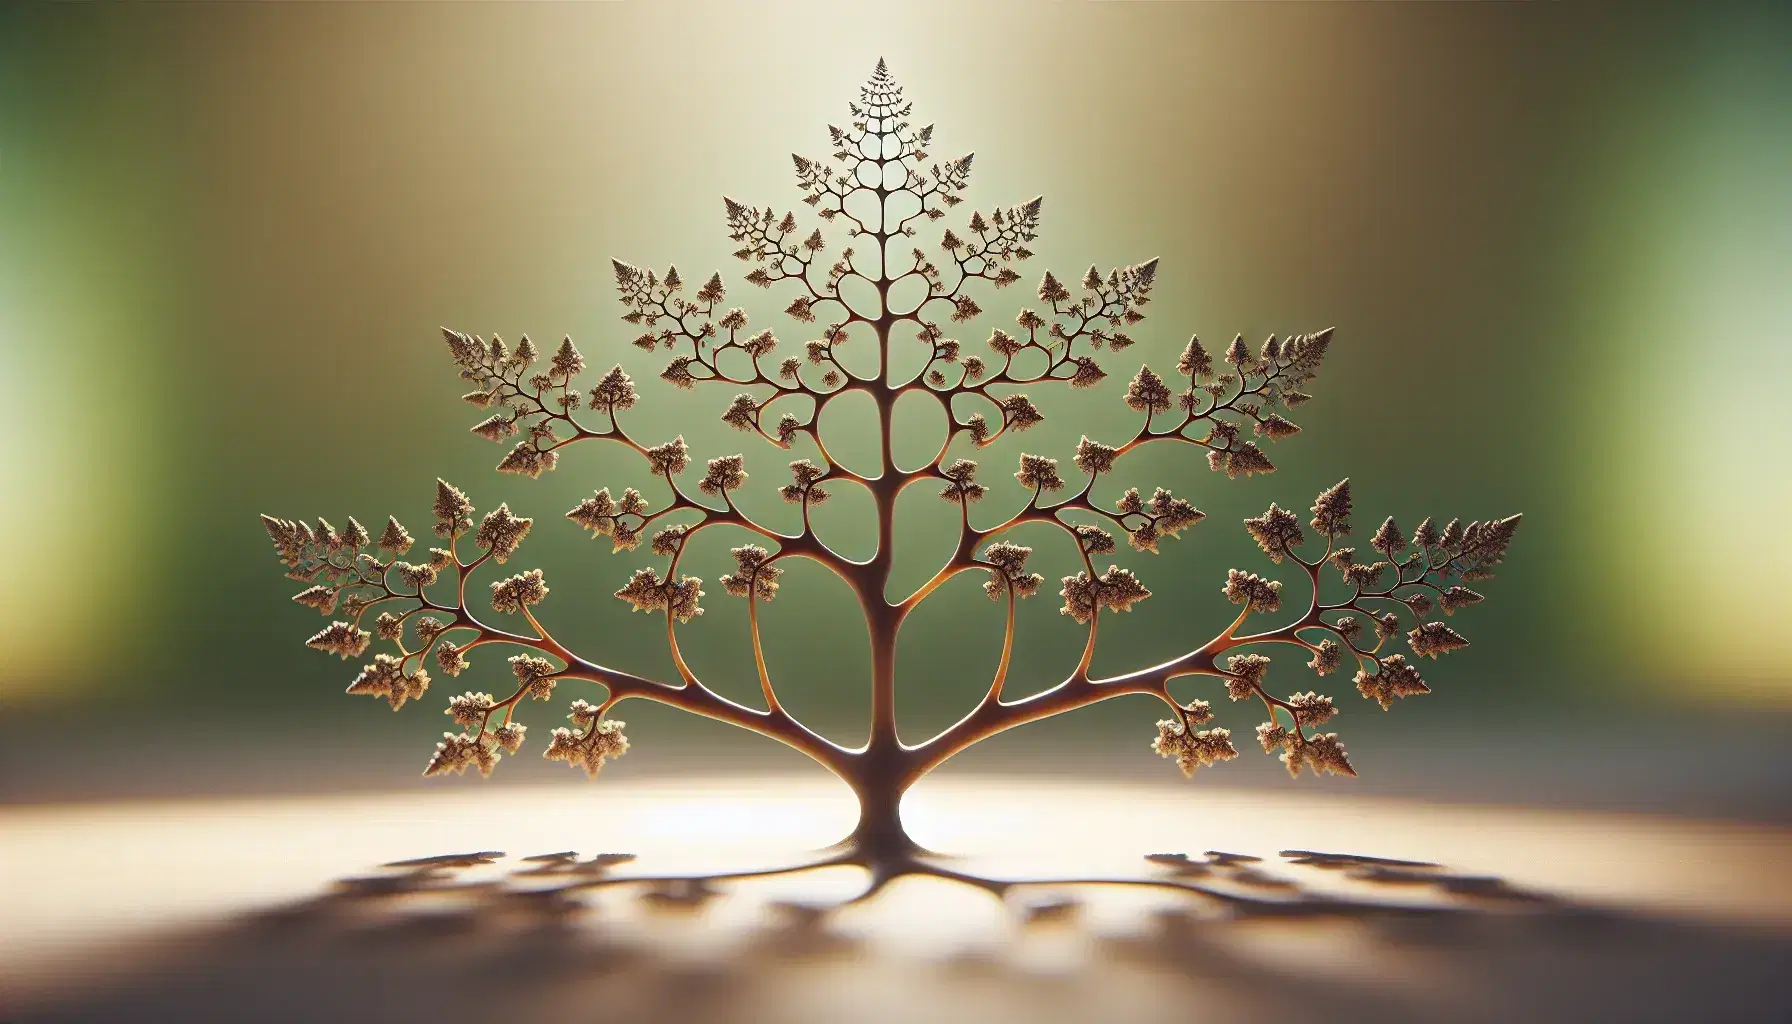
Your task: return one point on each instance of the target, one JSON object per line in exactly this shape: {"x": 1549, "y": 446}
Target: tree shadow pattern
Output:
{"x": 479, "y": 936}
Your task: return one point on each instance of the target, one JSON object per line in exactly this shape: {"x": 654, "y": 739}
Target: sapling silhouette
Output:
{"x": 879, "y": 187}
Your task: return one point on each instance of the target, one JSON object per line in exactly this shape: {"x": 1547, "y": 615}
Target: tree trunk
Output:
{"x": 879, "y": 835}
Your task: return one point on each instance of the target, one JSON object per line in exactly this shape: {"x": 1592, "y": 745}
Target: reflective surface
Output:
{"x": 282, "y": 910}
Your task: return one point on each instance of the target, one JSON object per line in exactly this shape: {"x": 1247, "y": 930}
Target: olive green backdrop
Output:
{"x": 1555, "y": 242}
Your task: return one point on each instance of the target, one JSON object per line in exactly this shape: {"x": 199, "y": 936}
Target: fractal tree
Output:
{"x": 877, "y": 285}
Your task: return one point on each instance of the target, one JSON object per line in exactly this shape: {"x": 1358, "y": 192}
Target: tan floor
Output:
{"x": 251, "y": 910}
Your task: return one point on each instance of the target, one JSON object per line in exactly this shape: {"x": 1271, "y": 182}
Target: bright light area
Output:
{"x": 1702, "y": 366}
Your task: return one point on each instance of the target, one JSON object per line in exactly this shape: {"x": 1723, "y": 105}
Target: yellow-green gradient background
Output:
{"x": 1555, "y": 241}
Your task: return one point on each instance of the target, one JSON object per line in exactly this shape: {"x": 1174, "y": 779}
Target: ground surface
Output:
{"x": 1354, "y": 909}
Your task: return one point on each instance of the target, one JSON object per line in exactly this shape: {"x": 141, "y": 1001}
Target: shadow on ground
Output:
{"x": 480, "y": 936}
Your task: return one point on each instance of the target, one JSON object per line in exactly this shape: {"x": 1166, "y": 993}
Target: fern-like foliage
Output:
{"x": 876, "y": 194}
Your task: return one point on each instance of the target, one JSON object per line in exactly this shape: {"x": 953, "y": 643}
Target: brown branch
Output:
{"x": 693, "y": 696}
{"x": 1077, "y": 691}
{"x": 1001, "y": 676}
{"x": 765, "y": 679}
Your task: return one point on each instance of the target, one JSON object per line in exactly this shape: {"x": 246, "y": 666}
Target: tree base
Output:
{"x": 879, "y": 842}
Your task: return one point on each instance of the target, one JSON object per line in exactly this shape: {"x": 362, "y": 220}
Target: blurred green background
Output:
{"x": 1555, "y": 241}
